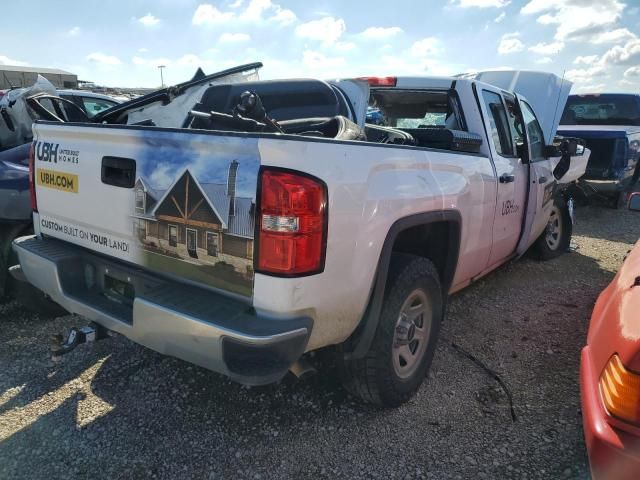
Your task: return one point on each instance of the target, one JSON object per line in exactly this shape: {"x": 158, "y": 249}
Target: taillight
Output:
{"x": 292, "y": 223}
{"x": 620, "y": 389}
{"x": 380, "y": 81}
{"x": 32, "y": 179}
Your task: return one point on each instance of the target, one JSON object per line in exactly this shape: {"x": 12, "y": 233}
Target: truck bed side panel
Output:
{"x": 369, "y": 188}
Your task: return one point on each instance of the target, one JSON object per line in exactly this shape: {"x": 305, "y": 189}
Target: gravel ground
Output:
{"x": 117, "y": 410}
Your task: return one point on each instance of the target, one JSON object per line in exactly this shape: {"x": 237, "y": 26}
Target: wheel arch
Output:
{"x": 432, "y": 235}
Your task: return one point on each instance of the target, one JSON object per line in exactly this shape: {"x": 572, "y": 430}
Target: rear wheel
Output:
{"x": 556, "y": 237}
{"x": 402, "y": 349}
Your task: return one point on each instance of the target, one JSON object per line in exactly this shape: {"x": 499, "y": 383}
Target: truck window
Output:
{"x": 412, "y": 109}
{"x": 604, "y": 109}
{"x": 515, "y": 122}
{"x": 498, "y": 123}
{"x": 534, "y": 132}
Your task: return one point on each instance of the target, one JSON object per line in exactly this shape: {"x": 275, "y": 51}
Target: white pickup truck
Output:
{"x": 238, "y": 243}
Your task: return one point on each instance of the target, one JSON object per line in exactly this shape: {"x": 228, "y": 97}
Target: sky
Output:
{"x": 594, "y": 43}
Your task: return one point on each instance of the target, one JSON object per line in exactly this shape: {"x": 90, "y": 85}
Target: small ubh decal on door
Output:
{"x": 67, "y": 182}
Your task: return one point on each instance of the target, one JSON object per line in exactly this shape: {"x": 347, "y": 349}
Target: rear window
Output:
{"x": 412, "y": 109}
{"x": 601, "y": 110}
{"x": 93, "y": 106}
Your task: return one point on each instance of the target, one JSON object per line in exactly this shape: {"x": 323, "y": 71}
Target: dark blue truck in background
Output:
{"x": 610, "y": 125}
{"x": 15, "y": 205}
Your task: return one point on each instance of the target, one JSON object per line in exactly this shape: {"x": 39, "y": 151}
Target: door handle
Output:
{"x": 118, "y": 171}
{"x": 504, "y": 178}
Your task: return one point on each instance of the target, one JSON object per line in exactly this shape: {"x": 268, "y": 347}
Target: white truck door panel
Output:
{"x": 542, "y": 182}
{"x": 512, "y": 177}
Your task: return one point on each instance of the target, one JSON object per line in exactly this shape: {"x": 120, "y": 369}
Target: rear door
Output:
{"x": 512, "y": 173}
{"x": 542, "y": 183}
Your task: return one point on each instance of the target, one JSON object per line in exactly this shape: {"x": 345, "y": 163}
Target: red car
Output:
{"x": 610, "y": 374}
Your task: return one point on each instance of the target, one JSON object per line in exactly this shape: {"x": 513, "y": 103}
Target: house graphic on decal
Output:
{"x": 198, "y": 222}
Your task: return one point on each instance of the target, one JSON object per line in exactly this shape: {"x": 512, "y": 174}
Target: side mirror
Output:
{"x": 566, "y": 146}
{"x": 566, "y": 150}
{"x": 570, "y": 146}
{"x": 634, "y": 202}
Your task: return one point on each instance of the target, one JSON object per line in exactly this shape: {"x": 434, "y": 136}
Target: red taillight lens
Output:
{"x": 380, "y": 81}
{"x": 292, "y": 224}
{"x": 32, "y": 179}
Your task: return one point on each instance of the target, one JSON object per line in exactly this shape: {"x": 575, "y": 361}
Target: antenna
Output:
{"x": 555, "y": 113}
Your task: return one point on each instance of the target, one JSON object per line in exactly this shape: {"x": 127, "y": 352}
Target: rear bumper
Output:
{"x": 196, "y": 325}
{"x": 612, "y": 452}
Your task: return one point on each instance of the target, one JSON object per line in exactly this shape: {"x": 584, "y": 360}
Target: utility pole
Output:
{"x": 161, "y": 67}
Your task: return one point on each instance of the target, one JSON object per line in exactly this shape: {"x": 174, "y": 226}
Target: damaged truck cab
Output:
{"x": 239, "y": 230}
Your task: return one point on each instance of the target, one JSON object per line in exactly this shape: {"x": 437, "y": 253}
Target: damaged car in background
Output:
{"x": 250, "y": 222}
{"x": 610, "y": 125}
{"x": 16, "y": 117}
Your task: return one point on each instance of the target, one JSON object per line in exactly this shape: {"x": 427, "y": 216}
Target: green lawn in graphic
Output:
{"x": 221, "y": 278}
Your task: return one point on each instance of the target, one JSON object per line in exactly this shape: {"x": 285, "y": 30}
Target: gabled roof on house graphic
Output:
{"x": 215, "y": 194}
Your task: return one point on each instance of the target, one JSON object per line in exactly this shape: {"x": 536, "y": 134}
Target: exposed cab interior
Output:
{"x": 234, "y": 100}
{"x": 433, "y": 119}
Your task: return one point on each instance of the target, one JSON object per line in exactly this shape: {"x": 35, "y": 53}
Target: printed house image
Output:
{"x": 203, "y": 224}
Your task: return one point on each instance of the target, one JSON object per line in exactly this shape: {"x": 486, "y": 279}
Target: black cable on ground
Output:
{"x": 492, "y": 373}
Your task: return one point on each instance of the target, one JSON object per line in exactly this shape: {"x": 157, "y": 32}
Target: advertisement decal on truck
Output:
{"x": 191, "y": 208}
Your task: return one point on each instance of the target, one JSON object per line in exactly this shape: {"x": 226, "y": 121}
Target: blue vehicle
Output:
{"x": 610, "y": 125}
{"x": 374, "y": 116}
{"x": 15, "y": 205}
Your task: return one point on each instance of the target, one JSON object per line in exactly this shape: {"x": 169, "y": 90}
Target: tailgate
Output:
{"x": 173, "y": 202}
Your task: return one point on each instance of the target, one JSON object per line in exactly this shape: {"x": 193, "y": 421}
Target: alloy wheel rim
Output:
{"x": 554, "y": 229}
{"x": 411, "y": 333}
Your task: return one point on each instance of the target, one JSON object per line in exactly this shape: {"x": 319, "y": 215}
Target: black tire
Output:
{"x": 618, "y": 200}
{"x": 7, "y": 259}
{"x": 374, "y": 378}
{"x": 553, "y": 244}
{"x": 36, "y": 301}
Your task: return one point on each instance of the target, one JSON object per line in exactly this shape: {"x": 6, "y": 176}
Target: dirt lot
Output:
{"x": 116, "y": 410}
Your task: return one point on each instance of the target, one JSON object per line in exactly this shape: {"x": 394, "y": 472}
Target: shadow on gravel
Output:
{"x": 599, "y": 216}
{"x": 117, "y": 410}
